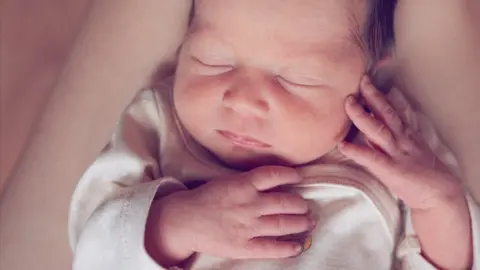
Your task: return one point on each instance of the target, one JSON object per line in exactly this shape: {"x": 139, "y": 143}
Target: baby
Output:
{"x": 248, "y": 158}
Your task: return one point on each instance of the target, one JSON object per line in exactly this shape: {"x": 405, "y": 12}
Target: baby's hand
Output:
{"x": 399, "y": 157}
{"x": 237, "y": 217}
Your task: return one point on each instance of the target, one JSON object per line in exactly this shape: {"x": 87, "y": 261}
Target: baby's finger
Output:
{"x": 269, "y": 177}
{"x": 400, "y": 103}
{"x": 378, "y": 163}
{"x": 374, "y": 130}
{"x": 271, "y": 248}
{"x": 281, "y": 225}
{"x": 417, "y": 190}
{"x": 276, "y": 203}
{"x": 381, "y": 107}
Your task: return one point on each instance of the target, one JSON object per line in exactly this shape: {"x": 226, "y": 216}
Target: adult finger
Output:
{"x": 375, "y": 131}
{"x": 269, "y": 177}
{"x": 381, "y": 107}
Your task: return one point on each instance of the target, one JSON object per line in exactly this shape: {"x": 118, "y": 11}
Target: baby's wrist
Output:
{"x": 451, "y": 202}
{"x": 161, "y": 239}
{"x": 445, "y": 207}
{"x": 445, "y": 233}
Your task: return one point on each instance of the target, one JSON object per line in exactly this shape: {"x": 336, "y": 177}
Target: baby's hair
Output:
{"x": 377, "y": 40}
{"x": 378, "y": 32}
{"x": 375, "y": 37}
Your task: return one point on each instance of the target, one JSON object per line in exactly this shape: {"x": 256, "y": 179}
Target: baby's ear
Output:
{"x": 384, "y": 74}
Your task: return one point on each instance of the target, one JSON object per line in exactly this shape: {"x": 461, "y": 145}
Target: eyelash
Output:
{"x": 283, "y": 81}
{"x": 218, "y": 68}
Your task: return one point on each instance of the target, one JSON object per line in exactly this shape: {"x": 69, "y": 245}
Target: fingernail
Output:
{"x": 312, "y": 223}
{"x": 299, "y": 248}
{"x": 366, "y": 81}
{"x": 368, "y": 87}
{"x": 351, "y": 100}
{"x": 343, "y": 148}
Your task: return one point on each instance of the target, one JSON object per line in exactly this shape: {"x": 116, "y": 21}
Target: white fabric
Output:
{"x": 359, "y": 222}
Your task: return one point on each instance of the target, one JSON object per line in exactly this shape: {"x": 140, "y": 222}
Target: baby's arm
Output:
{"x": 400, "y": 158}
{"x": 111, "y": 203}
{"x": 445, "y": 234}
{"x": 437, "y": 230}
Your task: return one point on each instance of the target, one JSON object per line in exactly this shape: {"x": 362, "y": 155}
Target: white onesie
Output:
{"x": 360, "y": 224}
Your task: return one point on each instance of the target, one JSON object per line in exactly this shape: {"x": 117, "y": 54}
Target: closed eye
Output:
{"x": 305, "y": 83}
{"x": 211, "y": 69}
{"x": 204, "y": 63}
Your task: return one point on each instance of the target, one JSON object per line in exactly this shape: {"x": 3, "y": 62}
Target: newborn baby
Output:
{"x": 248, "y": 159}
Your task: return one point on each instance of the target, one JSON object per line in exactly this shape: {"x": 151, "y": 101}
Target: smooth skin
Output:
{"x": 400, "y": 158}
{"x": 103, "y": 74}
{"x": 40, "y": 194}
{"x": 442, "y": 66}
{"x": 238, "y": 217}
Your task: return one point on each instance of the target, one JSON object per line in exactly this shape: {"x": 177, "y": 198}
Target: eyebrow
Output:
{"x": 336, "y": 54}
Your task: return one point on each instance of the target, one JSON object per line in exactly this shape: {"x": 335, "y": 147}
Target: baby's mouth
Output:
{"x": 243, "y": 141}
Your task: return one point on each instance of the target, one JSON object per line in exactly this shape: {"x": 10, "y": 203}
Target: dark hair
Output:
{"x": 378, "y": 31}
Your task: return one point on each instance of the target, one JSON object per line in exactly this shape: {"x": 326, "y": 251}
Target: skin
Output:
{"x": 270, "y": 86}
{"x": 266, "y": 87}
{"x": 46, "y": 166}
{"x": 400, "y": 158}
{"x": 236, "y": 217}
{"x": 34, "y": 205}
{"x": 444, "y": 78}
{"x": 288, "y": 89}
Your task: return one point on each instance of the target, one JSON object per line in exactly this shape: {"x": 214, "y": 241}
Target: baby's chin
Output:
{"x": 249, "y": 162}
{"x": 245, "y": 159}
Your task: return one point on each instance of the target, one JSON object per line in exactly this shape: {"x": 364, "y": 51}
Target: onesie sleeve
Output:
{"x": 112, "y": 200}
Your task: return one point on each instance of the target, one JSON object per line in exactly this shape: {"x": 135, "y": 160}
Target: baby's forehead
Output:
{"x": 287, "y": 28}
{"x": 304, "y": 14}
{"x": 288, "y": 21}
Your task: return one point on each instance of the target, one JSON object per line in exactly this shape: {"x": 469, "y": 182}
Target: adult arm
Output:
{"x": 121, "y": 45}
{"x": 438, "y": 44}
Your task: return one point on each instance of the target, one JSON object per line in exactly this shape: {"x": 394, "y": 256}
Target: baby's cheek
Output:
{"x": 343, "y": 125}
{"x": 192, "y": 89}
{"x": 315, "y": 133}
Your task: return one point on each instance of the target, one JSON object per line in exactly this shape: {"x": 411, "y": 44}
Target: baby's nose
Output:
{"x": 247, "y": 103}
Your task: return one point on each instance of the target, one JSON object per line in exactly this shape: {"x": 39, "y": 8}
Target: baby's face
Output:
{"x": 263, "y": 82}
